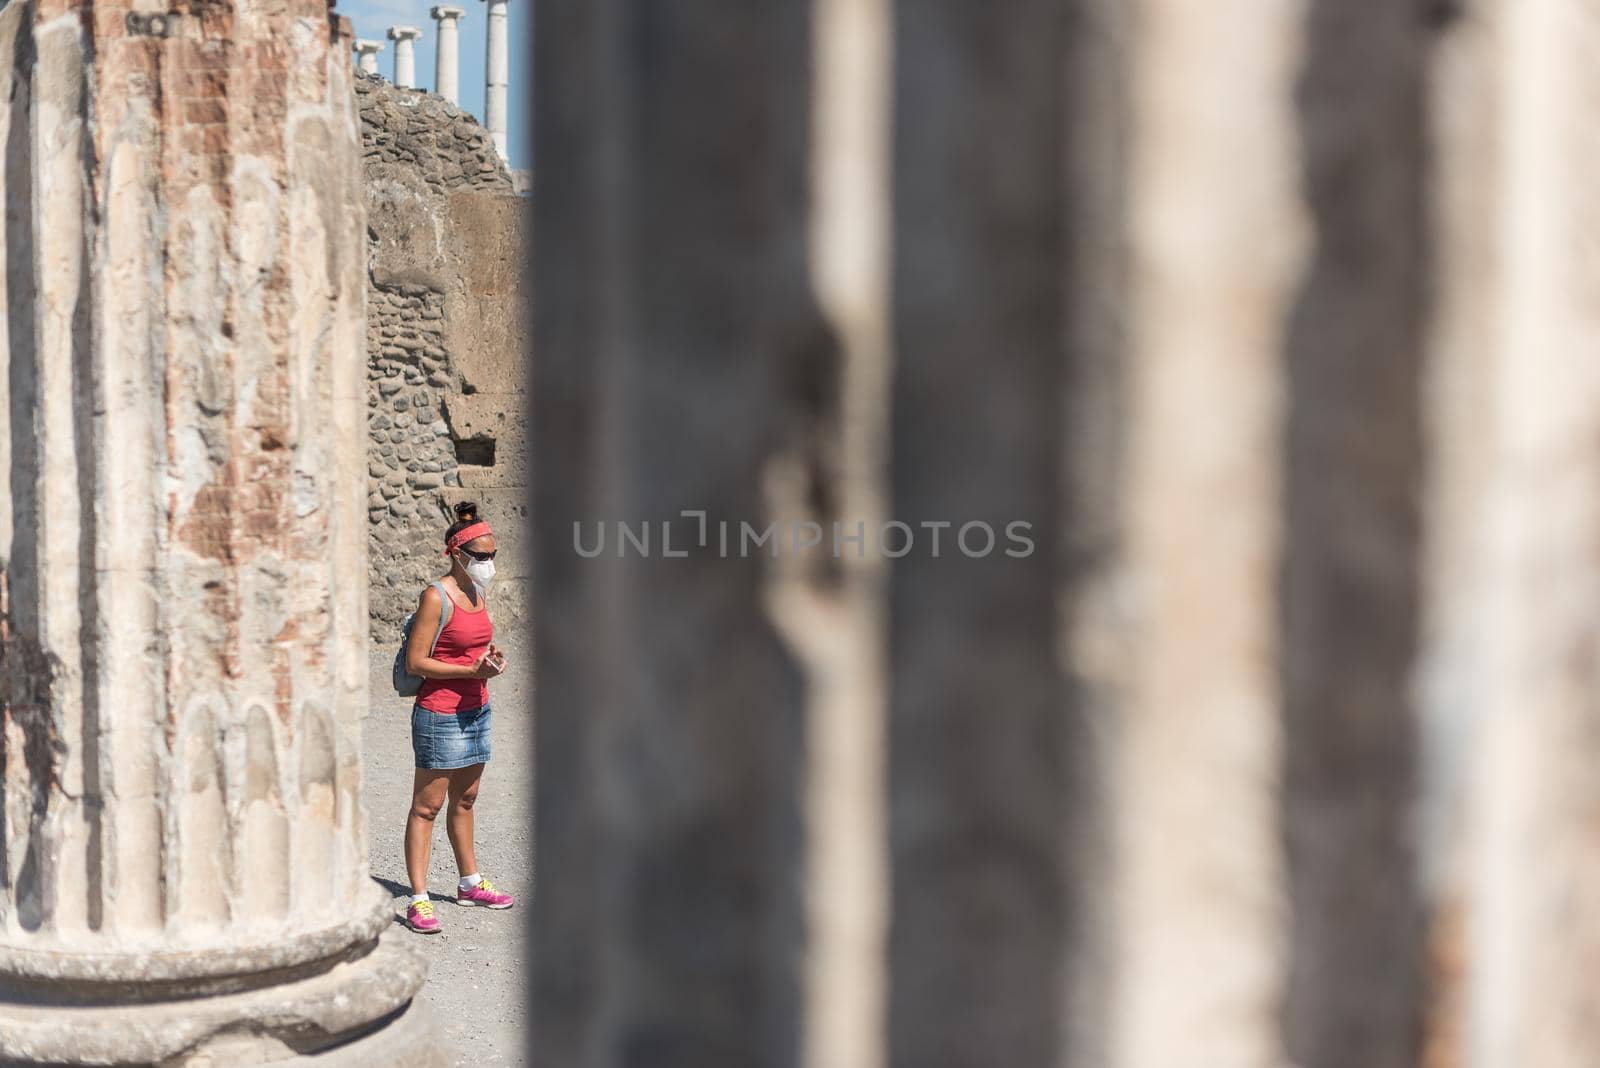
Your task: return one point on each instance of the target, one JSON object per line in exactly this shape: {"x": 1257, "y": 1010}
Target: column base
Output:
{"x": 359, "y": 1012}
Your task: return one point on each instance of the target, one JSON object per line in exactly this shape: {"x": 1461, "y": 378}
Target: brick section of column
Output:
{"x": 1279, "y": 323}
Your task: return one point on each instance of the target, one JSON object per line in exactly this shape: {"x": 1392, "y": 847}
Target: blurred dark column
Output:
{"x": 1351, "y": 578}
{"x": 669, "y": 277}
{"x": 977, "y": 724}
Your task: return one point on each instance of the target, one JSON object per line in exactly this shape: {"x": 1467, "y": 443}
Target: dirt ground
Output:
{"x": 477, "y": 980}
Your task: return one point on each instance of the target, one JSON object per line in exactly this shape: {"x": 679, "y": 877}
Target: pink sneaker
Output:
{"x": 483, "y": 894}
{"x": 419, "y": 917}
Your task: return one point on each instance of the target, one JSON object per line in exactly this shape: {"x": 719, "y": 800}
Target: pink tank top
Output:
{"x": 465, "y": 637}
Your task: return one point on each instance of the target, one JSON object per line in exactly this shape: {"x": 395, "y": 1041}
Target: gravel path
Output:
{"x": 477, "y": 979}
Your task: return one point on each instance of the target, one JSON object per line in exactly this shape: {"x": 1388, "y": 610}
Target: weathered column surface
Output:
{"x": 447, "y": 55}
{"x": 183, "y": 869}
{"x": 496, "y": 73}
{"x": 405, "y": 55}
{"x": 367, "y": 55}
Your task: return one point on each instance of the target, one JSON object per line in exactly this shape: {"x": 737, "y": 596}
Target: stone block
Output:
{"x": 409, "y": 250}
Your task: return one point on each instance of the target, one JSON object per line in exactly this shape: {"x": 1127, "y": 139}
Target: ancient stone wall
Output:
{"x": 444, "y": 338}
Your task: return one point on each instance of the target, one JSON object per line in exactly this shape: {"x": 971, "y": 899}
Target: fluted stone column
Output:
{"x": 496, "y": 73}
{"x": 183, "y": 860}
{"x": 447, "y": 56}
{"x": 367, "y": 55}
{"x": 405, "y": 56}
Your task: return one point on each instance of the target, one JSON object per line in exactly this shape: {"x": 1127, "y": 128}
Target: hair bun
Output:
{"x": 467, "y": 511}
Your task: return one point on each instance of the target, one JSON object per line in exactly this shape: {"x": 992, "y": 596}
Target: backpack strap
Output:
{"x": 446, "y": 609}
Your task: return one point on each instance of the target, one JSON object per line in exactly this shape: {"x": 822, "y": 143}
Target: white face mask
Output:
{"x": 481, "y": 572}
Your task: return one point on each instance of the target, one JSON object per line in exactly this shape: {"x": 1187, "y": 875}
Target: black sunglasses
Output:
{"x": 481, "y": 556}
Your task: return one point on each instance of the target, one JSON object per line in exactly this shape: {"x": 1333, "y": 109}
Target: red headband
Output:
{"x": 461, "y": 537}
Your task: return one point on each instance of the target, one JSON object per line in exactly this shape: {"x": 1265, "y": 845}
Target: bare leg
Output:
{"x": 458, "y": 824}
{"x": 427, "y": 797}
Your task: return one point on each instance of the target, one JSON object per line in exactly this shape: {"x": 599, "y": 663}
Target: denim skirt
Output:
{"x": 445, "y": 741}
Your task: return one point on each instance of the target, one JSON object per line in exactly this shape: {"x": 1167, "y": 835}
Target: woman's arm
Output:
{"x": 418, "y": 660}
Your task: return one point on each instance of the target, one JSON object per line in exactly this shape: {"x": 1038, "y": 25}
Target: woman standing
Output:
{"x": 450, "y": 722}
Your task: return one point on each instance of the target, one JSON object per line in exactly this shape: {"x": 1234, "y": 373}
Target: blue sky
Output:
{"x": 372, "y": 19}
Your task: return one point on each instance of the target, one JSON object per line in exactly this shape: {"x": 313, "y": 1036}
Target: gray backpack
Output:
{"x": 405, "y": 683}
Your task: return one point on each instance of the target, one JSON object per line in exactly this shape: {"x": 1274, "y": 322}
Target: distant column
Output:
{"x": 367, "y": 55}
{"x": 405, "y": 57}
{"x": 447, "y": 58}
{"x": 495, "y": 71}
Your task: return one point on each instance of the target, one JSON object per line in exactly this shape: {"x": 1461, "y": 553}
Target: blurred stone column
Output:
{"x": 1511, "y": 688}
{"x": 182, "y": 845}
{"x": 671, "y": 741}
{"x": 1276, "y": 324}
{"x": 405, "y": 55}
{"x": 1066, "y": 743}
{"x": 1085, "y": 737}
{"x": 833, "y": 616}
